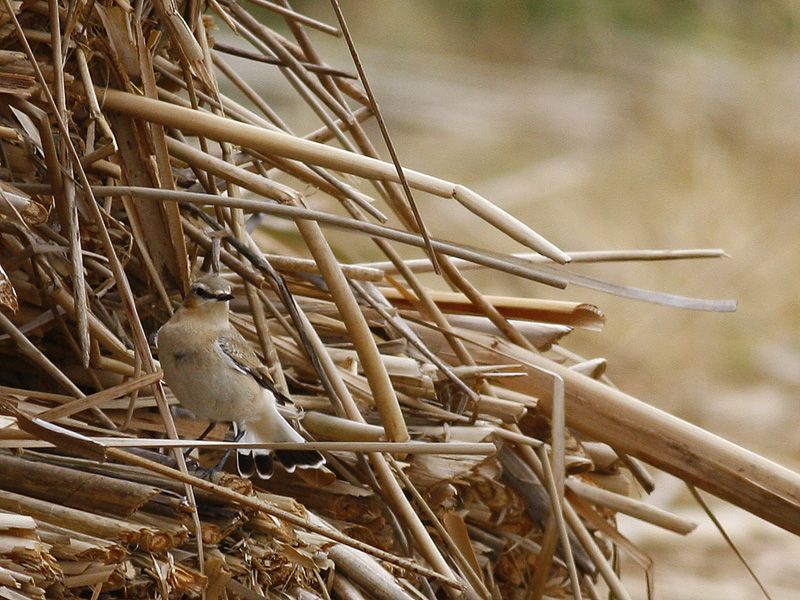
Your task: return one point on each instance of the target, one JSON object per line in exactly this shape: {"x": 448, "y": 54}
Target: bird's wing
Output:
{"x": 239, "y": 356}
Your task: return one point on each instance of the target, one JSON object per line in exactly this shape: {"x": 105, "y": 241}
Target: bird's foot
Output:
{"x": 209, "y": 474}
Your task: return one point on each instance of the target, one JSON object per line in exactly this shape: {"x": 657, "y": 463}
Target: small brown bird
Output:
{"x": 215, "y": 374}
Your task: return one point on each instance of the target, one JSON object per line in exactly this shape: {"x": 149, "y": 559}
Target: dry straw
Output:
{"x": 469, "y": 454}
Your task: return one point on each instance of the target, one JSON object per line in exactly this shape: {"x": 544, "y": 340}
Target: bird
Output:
{"x": 216, "y": 375}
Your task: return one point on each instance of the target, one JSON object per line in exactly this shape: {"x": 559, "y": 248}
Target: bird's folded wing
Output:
{"x": 239, "y": 356}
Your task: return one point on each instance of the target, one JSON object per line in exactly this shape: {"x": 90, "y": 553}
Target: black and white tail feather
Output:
{"x": 268, "y": 425}
{"x": 261, "y": 462}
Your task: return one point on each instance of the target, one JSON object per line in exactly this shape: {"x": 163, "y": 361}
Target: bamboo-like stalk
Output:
{"x": 97, "y": 328}
{"x": 72, "y": 487}
{"x": 379, "y": 381}
{"x": 377, "y": 302}
{"x": 64, "y": 439}
{"x": 266, "y": 41}
{"x": 76, "y": 406}
{"x": 336, "y": 428}
{"x": 632, "y": 507}
{"x": 708, "y": 461}
{"x": 389, "y": 485}
{"x": 391, "y": 193}
{"x": 573, "y": 314}
{"x": 86, "y": 522}
{"x": 299, "y": 17}
{"x": 255, "y": 183}
{"x": 462, "y": 551}
{"x": 302, "y": 265}
{"x": 541, "y": 335}
{"x": 18, "y": 205}
{"x": 271, "y": 142}
{"x": 365, "y": 572}
{"x": 119, "y": 273}
{"x": 274, "y": 511}
{"x": 8, "y": 133}
{"x": 582, "y": 535}
{"x": 69, "y": 212}
{"x": 555, "y": 489}
{"x": 79, "y": 546}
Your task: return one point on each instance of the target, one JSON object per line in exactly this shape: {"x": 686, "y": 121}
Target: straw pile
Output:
{"x": 469, "y": 453}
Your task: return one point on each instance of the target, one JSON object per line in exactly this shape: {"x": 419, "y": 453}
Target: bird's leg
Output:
{"x": 221, "y": 464}
{"x": 203, "y": 436}
{"x": 207, "y": 430}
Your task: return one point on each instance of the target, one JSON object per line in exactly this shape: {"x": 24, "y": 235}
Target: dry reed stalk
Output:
{"x": 74, "y": 489}
{"x": 271, "y": 142}
{"x": 401, "y": 448}
{"x": 573, "y": 314}
{"x": 422, "y": 265}
{"x": 632, "y": 507}
{"x": 107, "y": 213}
{"x": 609, "y": 415}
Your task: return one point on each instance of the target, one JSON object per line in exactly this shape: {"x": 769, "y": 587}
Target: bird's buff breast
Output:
{"x": 202, "y": 381}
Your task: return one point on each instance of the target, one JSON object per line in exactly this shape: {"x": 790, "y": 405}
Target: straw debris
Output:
{"x": 469, "y": 453}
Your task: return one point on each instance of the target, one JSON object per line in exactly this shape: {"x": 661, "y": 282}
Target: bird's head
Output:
{"x": 209, "y": 290}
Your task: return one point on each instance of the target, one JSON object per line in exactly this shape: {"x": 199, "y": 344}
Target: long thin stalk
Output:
{"x": 272, "y": 142}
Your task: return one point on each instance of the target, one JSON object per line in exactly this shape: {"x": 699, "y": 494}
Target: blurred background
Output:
{"x": 615, "y": 125}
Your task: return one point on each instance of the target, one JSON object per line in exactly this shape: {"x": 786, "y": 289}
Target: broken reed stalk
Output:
{"x": 75, "y": 406}
{"x": 688, "y": 452}
{"x": 61, "y": 438}
{"x": 632, "y": 507}
{"x": 272, "y": 142}
{"x": 332, "y": 534}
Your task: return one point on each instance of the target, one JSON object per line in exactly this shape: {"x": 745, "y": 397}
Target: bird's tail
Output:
{"x": 272, "y": 427}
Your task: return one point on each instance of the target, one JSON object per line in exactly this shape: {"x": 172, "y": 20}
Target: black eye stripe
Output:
{"x": 204, "y": 293}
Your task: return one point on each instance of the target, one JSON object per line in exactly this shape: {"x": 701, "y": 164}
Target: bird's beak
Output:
{"x": 224, "y": 297}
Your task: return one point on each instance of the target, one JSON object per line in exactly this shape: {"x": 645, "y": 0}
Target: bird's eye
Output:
{"x": 202, "y": 292}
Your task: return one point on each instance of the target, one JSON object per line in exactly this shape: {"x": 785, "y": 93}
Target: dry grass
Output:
{"x": 362, "y": 361}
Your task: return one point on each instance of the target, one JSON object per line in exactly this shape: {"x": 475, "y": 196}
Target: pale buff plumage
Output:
{"x": 214, "y": 373}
